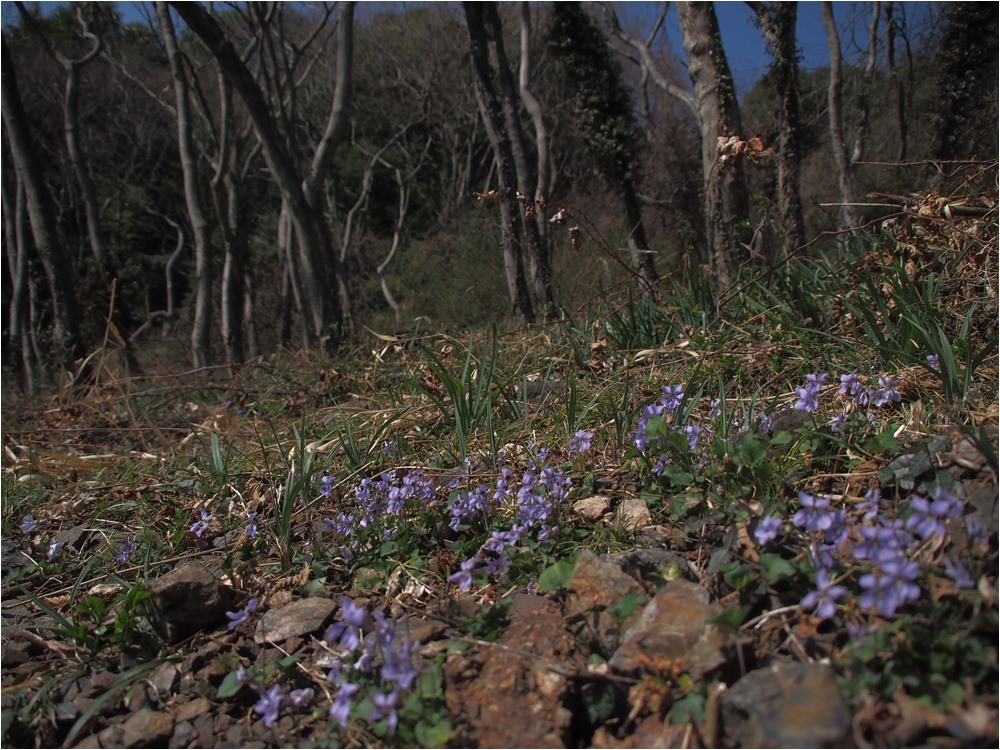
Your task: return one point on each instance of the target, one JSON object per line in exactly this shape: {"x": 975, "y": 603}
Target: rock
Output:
{"x": 164, "y": 678}
{"x": 592, "y": 508}
{"x": 186, "y": 600}
{"x": 596, "y": 586}
{"x": 786, "y": 705}
{"x": 651, "y": 566}
{"x": 631, "y": 514}
{"x": 193, "y": 709}
{"x": 673, "y": 630}
{"x": 147, "y": 728}
{"x": 184, "y": 734}
{"x": 514, "y": 693}
{"x": 298, "y": 618}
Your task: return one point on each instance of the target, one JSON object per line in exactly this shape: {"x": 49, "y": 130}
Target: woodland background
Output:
{"x": 221, "y": 181}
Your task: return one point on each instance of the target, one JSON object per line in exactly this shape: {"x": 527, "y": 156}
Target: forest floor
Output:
{"x": 656, "y": 523}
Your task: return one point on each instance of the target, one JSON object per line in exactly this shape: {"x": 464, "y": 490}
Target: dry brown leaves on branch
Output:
{"x": 753, "y": 150}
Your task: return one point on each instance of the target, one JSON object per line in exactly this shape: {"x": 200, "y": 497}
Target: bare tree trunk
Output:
{"x": 496, "y": 129}
{"x": 16, "y": 244}
{"x": 892, "y": 32}
{"x": 726, "y": 203}
{"x": 404, "y": 204}
{"x": 201, "y": 327}
{"x": 318, "y": 270}
{"x": 845, "y": 181}
{"x": 864, "y": 98}
{"x": 777, "y": 21}
{"x": 58, "y": 264}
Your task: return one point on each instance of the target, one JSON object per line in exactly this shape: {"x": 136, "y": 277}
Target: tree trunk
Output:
{"x": 318, "y": 271}
{"x": 58, "y": 264}
{"x": 16, "y": 244}
{"x": 491, "y": 110}
{"x": 726, "y": 203}
{"x": 201, "y": 327}
{"x": 777, "y": 21}
{"x": 845, "y": 181}
{"x": 865, "y": 92}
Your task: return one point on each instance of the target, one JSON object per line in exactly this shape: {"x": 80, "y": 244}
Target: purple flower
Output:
{"x": 974, "y": 525}
{"x": 814, "y": 515}
{"x": 890, "y": 586}
{"x": 767, "y": 530}
{"x": 126, "y": 550}
{"x": 269, "y": 704}
{"x": 243, "y": 674}
{"x": 252, "y": 525}
{"x": 346, "y": 631}
{"x": 200, "y": 527}
{"x": 934, "y": 361}
{"x": 823, "y": 600}
{"x": 385, "y": 707}
{"x": 850, "y": 385}
{"x": 808, "y": 399}
{"x": 340, "y": 709}
{"x": 55, "y": 549}
{"x": 300, "y": 698}
{"x": 388, "y": 448}
{"x": 580, "y": 442}
{"x": 886, "y": 393}
{"x": 28, "y": 524}
{"x": 672, "y": 398}
{"x": 870, "y": 505}
{"x": 497, "y": 566}
{"x": 883, "y": 543}
{"x": 837, "y": 422}
{"x": 239, "y": 616}
{"x": 958, "y": 573}
{"x": 464, "y": 576}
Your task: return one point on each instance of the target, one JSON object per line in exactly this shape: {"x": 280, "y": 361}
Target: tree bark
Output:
{"x": 202, "y": 326}
{"x": 492, "y": 113}
{"x": 16, "y": 230}
{"x": 845, "y": 181}
{"x": 777, "y": 21}
{"x": 726, "y": 202}
{"x": 57, "y": 263}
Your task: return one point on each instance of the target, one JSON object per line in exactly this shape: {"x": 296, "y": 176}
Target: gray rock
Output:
{"x": 147, "y": 728}
{"x": 673, "y": 629}
{"x": 186, "y": 600}
{"x": 592, "y": 507}
{"x": 298, "y": 618}
{"x": 631, "y": 514}
{"x": 786, "y": 705}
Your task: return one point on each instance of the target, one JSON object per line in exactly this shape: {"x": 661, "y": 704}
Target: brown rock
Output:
{"x": 186, "y": 600}
{"x": 193, "y": 709}
{"x": 786, "y": 705}
{"x": 596, "y": 586}
{"x": 631, "y": 514}
{"x": 147, "y": 728}
{"x": 592, "y": 507}
{"x": 672, "y": 629}
{"x": 298, "y": 618}
{"x": 514, "y": 693}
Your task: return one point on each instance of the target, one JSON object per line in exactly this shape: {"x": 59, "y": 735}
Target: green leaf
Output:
{"x": 556, "y": 576}
{"x": 775, "y": 568}
{"x": 230, "y": 686}
{"x": 731, "y": 618}
{"x": 751, "y": 450}
{"x": 688, "y": 710}
{"x": 884, "y": 442}
{"x": 782, "y": 437}
{"x": 624, "y": 607}
{"x": 434, "y": 732}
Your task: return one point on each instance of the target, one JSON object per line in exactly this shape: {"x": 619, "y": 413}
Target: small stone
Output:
{"x": 597, "y": 585}
{"x": 592, "y": 508}
{"x": 66, "y": 711}
{"x": 186, "y": 600}
{"x": 147, "y": 728}
{"x": 298, "y": 618}
{"x": 164, "y": 678}
{"x": 631, "y": 514}
{"x": 193, "y": 709}
{"x": 183, "y": 736}
{"x": 786, "y": 705}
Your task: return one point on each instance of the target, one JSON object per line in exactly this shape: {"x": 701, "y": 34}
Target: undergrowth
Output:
{"x": 773, "y": 434}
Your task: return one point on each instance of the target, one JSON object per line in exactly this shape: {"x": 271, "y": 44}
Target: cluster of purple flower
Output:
{"x": 854, "y": 390}
{"x": 884, "y": 545}
{"x": 667, "y": 404}
{"x": 273, "y": 698}
{"x": 533, "y": 499}
{"x": 378, "y": 498}
{"x": 383, "y": 657}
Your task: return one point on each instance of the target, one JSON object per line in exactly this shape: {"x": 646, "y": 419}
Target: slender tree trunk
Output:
{"x": 845, "y": 181}
{"x": 16, "y": 244}
{"x": 726, "y": 202}
{"x": 492, "y": 112}
{"x": 57, "y": 263}
{"x": 317, "y": 266}
{"x": 865, "y": 94}
{"x": 201, "y": 328}
{"x": 777, "y": 21}
{"x": 892, "y": 31}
